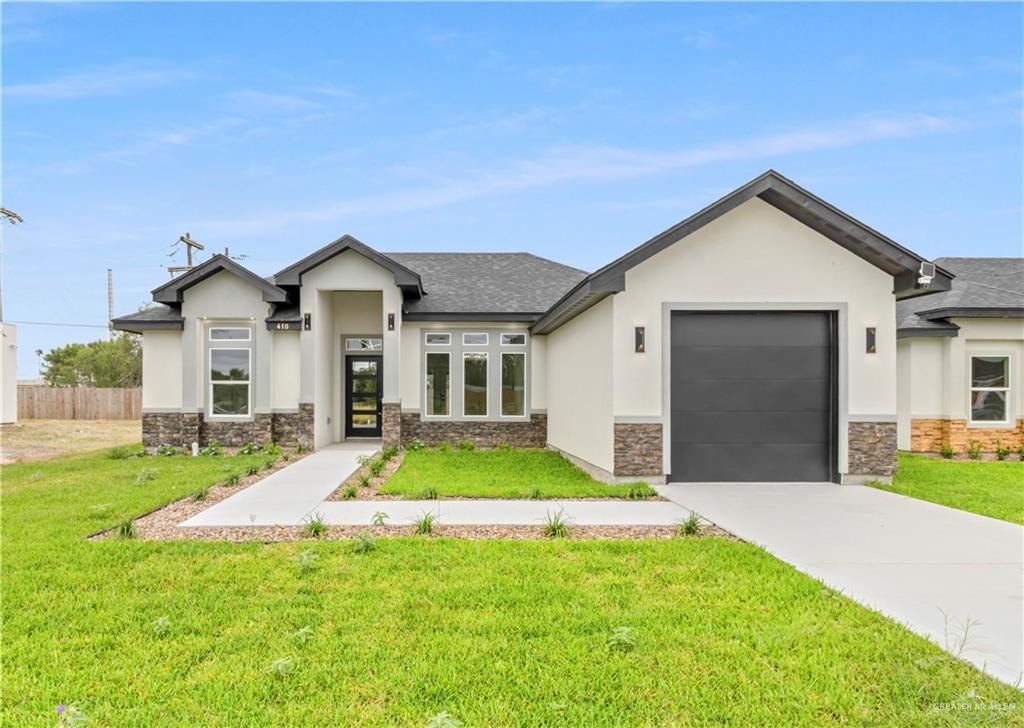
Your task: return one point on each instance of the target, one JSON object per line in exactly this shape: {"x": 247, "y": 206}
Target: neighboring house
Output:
{"x": 961, "y": 359}
{"x": 755, "y": 340}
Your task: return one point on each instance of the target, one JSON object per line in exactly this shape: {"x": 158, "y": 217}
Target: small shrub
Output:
{"x": 232, "y": 479}
{"x": 691, "y": 526}
{"x": 201, "y": 494}
{"x": 305, "y": 560}
{"x": 249, "y": 448}
{"x": 443, "y": 720}
{"x": 535, "y": 493}
{"x": 428, "y": 493}
{"x": 315, "y": 525}
{"x": 161, "y": 626}
{"x": 123, "y": 452}
{"x": 301, "y": 449}
{"x": 640, "y": 491}
{"x": 622, "y": 638}
{"x": 145, "y": 475}
{"x": 974, "y": 451}
{"x": 364, "y": 543}
{"x": 363, "y": 459}
{"x": 348, "y": 492}
{"x": 1002, "y": 452}
{"x": 126, "y": 529}
{"x": 376, "y": 468}
{"x": 424, "y": 525}
{"x": 282, "y": 667}
{"x": 252, "y": 468}
{"x": 302, "y": 635}
{"x": 444, "y": 447}
{"x": 466, "y": 445}
{"x": 212, "y": 449}
{"x": 388, "y": 454}
{"x": 946, "y": 451}
{"x": 416, "y": 445}
{"x": 556, "y": 525}
{"x": 364, "y": 480}
{"x": 268, "y": 463}
{"x": 1020, "y": 453}
{"x": 167, "y": 450}
{"x": 272, "y": 450}
{"x": 378, "y": 518}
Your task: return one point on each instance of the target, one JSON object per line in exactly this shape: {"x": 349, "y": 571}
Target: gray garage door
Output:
{"x": 753, "y": 396}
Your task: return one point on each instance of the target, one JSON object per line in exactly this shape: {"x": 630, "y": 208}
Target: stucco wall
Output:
{"x": 579, "y": 386}
{"x": 284, "y": 394}
{"x": 161, "y": 370}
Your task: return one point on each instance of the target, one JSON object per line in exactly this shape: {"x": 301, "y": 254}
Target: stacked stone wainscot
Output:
{"x": 638, "y": 449}
{"x": 872, "y": 448}
{"x": 485, "y": 433}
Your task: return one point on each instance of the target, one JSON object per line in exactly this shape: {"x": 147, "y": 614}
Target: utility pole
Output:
{"x": 110, "y": 301}
{"x": 190, "y": 245}
{"x": 13, "y": 218}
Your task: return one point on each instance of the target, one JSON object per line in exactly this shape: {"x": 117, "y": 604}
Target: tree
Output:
{"x": 115, "y": 362}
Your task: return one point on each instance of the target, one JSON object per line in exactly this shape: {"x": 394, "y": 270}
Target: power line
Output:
{"x": 55, "y": 323}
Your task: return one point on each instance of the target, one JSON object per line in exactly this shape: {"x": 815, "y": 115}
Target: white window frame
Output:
{"x": 426, "y": 378}
{"x": 487, "y": 383}
{"x": 487, "y": 338}
{"x": 428, "y": 342}
{"x": 971, "y": 389}
{"x": 501, "y": 384}
{"x": 233, "y": 383}
{"x": 369, "y": 339}
{"x": 246, "y": 329}
{"x": 513, "y": 333}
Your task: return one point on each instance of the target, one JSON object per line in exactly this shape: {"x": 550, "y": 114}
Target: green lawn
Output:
{"x": 499, "y": 473}
{"x": 994, "y": 489}
{"x": 493, "y": 632}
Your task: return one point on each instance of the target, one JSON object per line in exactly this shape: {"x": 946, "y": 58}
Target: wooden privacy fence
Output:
{"x": 78, "y": 403}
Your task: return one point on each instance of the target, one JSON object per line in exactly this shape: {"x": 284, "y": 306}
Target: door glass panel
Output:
{"x": 364, "y": 403}
{"x": 988, "y": 371}
{"x": 364, "y": 386}
{"x": 362, "y": 421}
{"x": 988, "y": 406}
{"x": 364, "y": 368}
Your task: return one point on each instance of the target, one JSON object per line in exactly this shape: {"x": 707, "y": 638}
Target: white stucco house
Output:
{"x": 756, "y": 340}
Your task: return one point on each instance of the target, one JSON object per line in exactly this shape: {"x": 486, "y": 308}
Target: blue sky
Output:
{"x": 572, "y": 131}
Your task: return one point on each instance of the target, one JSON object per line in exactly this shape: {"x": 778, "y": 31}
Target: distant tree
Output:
{"x": 115, "y": 362}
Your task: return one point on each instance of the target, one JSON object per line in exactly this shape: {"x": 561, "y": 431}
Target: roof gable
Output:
{"x": 173, "y": 291}
{"x": 409, "y": 281}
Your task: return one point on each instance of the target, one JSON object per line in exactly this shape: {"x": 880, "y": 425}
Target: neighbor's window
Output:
{"x": 231, "y": 333}
{"x": 439, "y": 339}
{"x": 474, "y": 339}
{"x": 513, "y": 385}
{"x": 474, "y": 384}
{"x": 229, "y": 382}
{"x": 513, "y": 339}
{"x": 364, "y": 344}
{"x": 438, "y": 384}
{"x": 990, "y": 388}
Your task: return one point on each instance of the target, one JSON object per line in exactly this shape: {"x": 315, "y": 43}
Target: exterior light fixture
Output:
{"x": 870, "y": 340}
{"x": 639, "y": 337}
{"x": 307, "y": 321}
{"x": 391, "y": 322}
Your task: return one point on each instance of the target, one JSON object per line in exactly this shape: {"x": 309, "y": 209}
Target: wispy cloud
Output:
{"x": 259, "y": 102}
{"x": 98, "y": 82}
{"x": 596, "y": 164}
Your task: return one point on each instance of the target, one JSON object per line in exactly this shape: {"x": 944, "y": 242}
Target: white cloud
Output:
{"x": 257, "y": 102}
{"x": 99, "y": 82}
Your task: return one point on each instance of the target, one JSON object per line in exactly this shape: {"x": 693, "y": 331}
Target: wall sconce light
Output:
{"x": 307, "y": 321}
{"x": 870, "y": 340}
{"x": 391, "y": 322}
{"x": 638, "y": 340}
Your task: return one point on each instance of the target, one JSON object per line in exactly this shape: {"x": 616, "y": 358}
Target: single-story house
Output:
{"x": 756, "y": 340}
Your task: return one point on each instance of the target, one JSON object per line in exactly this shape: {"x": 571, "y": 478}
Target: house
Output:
{"x": 756, "y": 340}
{"x": 960, "y": 359}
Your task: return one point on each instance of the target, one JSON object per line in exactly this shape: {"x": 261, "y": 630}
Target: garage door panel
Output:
{"x": 755, "y": 328}
{"x": 743, "y": 362}
{"x": 751, "y": 428}
{"x": 744, "y": 395}
{"x": 750, "y": 463}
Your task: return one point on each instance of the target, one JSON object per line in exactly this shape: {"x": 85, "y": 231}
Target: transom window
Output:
{"x": 474, "y": 339}
{"x": 513, "y": 339}
{"x": 439, "y": 339}
{"x": 364, "y": 344}
{"x": 230, "y": 333}
{"x": 229, "y": 382}
{"x": 990, "y": 388}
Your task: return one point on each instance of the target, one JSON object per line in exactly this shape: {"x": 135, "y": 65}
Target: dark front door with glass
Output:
{"x": 362, "y": 396}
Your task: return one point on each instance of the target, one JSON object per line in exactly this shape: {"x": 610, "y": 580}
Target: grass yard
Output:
{"x": 492, "y": 632}
{"x": 44, "y": 439}
{"x": 994, "y": 489}
{"x": 498, "y": 473}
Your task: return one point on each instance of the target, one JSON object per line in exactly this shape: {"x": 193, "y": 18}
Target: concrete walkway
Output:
{"x": 929, "y": 567}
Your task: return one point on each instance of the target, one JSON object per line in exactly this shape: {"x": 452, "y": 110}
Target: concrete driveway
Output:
{"x": 932, "y": 568}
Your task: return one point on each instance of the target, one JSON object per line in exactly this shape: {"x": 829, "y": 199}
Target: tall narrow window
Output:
{"x": 513, "y": 385}
{"x": 990, "y": 388}
{"x": 474, "y": 385}
{"x": 438, "y": 384}
{"x": 229, "y": 382}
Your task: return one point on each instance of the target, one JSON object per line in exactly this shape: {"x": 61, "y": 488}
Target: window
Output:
{"x": 474, "y": 339}
{"x": 439, "y": 339}
{"x": 229, "y": 333}
{"x": 474, "y": 384}
{"x": 513, "y": 339}
{"x": 439, "y": 384}
{"x": 990, "y": 388}
{"x": 364, "y": 344}
{"x": 229, "y": 382}
{"x": 513, "y": 385}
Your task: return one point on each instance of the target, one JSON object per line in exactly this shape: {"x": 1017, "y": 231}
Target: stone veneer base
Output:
{"x": 871, "y": 449}
{"x": 181, "y": 429}
{"x": 485, "y": 433}
{"x": 638, "y": 449}
{"x": 928, "y": 435}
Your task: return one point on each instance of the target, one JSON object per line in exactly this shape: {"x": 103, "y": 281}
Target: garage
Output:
{"x": 753, "y": 396}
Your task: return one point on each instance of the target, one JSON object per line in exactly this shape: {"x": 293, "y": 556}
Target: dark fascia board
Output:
{"x": 587, "y": 293}
{"x": 173, "y": 291}
{"x": 788, "y": 197}
{"x": 910, "y": 333}
{"x": 137, "y": 326}
{"x": 503, "y": 316}
{"x": 966, "y": 312}
{"x": 405, "y": 278}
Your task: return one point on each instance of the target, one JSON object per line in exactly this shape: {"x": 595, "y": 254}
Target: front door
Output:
{"x": 362, "y": 396}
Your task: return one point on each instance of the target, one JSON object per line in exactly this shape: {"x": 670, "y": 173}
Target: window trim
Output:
{"x": 428, "y": 334}
{"x": 426, "y": 378}
{"x": 246, "y": 329}
{"x": 513, "y": 333}
{"x": 486, "y": 335}
{"x": 501, "y": 385}
{"x": 487, "y": 384}
{"x": 1008, "y": 420}
{"x": 234, "y": 383}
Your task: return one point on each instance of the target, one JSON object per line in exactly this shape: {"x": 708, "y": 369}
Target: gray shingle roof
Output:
{"x": 984, "y": 286}
{"x": 482, "y": 283}
{"x": 156, "y": 316}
